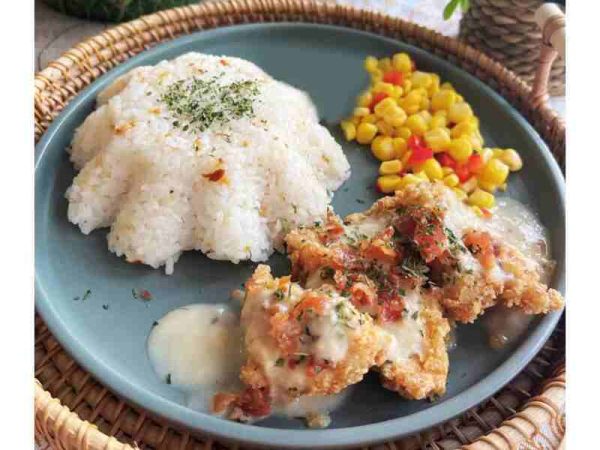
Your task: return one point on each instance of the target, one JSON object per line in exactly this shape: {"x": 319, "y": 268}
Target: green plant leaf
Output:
{"x": 464, "y": 5}
{"x": 450, "y": 8}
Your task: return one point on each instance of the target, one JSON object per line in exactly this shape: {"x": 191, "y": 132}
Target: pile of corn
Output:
{"x": 422, "y": 129}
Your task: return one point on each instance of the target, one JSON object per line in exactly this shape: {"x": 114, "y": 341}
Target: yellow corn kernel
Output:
{"x": 470, "y": 185}
{"x": 459, "y": 98}
{"x": 396, "y": 118}
{"x": 447, "y": 86}
{"x": 404, "y": 132}
{"x": 402, "y": 62}
{"x": 438, "y": 121}
{"x": 426, "y": 115}
{"x": 422, "y": 175}
{"x": 463, "y": 128}
{"x": 451, "y": 180}
{"x": 377, "y": 76}
{"x": 460, "y": 149}
{"x": 420, "y": 79}
{"x": 355, "y": 120}
{"x": 410, "y": 178}
{"x": 365, "y": 132}
{"x": 398, "y": 92}
{"x": 382, "y": 86}
{"x": 384, "y": 106}
{"x": 512, "y": 159}
{"x": 447, "y": 170}
{"x": 413, "y": 98}
{"x": 498, "y": 152}
{"x": 385, "y": 128}
{"x": 388, "y": 183}
{"x": 486, "y": 154}
{"x": 503, "y": 187}
{"x": 476, "y": 141}
{"x": 382, "y": 148}
{"x": 390, "y": 167}
{"x": 385, "y": 64}
{"x": 406, "y": 157}
{"x": 437, "y": 139}
{"x": 482, "y": 199}
{"x": 443, "y": 100}
{"x": 424, "y": 103}
{"x": 416, "y": 123}
{"x": 434, "y": 87}
{"x": 399, "y": 146}
{"x": 459, "y": 193}
{"x": 459, "y": 112}
{"x": 432, "y": 169}
{"x": 349, "y": 129}
{"x": 474, "y": 120}
{"x": 364, "y": 99}
{"x": 361, "y": 111}
{"x": 494, "y": 172}
{"x": 371, "y": 118}
{"x": 490, "y": 187}
{"x": 407, "y": 86}
{"x": 477, "y": 210}
{"x": 371, "y": 64}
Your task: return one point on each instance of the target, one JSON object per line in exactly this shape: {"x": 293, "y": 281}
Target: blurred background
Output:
{"x": 503, "y": 29}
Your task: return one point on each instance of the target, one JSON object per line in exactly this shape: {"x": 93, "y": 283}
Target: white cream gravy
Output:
{"x": 198, "y": 348}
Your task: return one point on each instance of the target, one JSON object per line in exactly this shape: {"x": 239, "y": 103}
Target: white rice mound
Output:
{"x": 143, "y": 177}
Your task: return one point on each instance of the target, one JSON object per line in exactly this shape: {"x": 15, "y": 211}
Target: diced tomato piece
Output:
{"x": 475, "y": 163}
{"x": 379, "y": 251}
{"x": 362, "y": 295}
{"x": 486, "y": 212}
{"x": 414, "y": 142}
{"x": 431, "y": 239}
{"x": 393, "y": 77}
{"x": 446, "y": 160}
{"x": 392, "y": 309}
{"x": 255, "y": 402}
{"x": 463, "y": 172}
{"x": 214, "y": 176}
{"x": 312, "y": 301}
{"x": 377, "y": 97}
{"x": 286, "y": 331}
{"x": 480, "y": 244}
{"x": 420, "y": 154}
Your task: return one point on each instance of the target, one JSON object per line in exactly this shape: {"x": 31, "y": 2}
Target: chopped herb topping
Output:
{"x": 279, "y": 362}
{"x": 278, "y": 294}
{"x": 327, "y": 273}
{"x": 198, "y": 103}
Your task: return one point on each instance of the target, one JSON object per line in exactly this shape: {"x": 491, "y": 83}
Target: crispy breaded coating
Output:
{"x": 299, "y": 342}
{"x": 422, "y": 374}
{"x": 363, "y": 260}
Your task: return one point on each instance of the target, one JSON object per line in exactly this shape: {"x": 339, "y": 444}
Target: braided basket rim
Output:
{"x": 75, "y": 69}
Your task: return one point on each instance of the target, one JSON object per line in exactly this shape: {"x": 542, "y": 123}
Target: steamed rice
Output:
{"x": 149, "y": 181}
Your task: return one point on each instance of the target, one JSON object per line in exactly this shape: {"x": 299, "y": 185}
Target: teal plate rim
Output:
{"x": 285, "y": 438}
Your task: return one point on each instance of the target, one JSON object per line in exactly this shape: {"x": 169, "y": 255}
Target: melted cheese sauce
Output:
{"x": 406, "y": 334}
{"x": 505, "y": 325}
{"x": 198, "y": 348}
{"x": 520, "y": 227}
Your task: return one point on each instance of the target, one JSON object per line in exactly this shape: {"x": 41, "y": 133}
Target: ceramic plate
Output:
{"x": 106, "y": 332}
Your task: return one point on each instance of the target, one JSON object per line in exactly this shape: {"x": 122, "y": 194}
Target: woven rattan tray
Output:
{"x": 74, "y": 411}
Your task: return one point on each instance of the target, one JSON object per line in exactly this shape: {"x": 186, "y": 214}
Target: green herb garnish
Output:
{"x": 198, "y": 103}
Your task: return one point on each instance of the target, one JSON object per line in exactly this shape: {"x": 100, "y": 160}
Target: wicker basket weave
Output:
{"x": 506, "y": 31}
{"x": 74, "y": 411}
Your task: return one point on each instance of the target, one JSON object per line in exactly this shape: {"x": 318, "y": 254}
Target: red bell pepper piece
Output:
{"x": 475, "y": 163}
{"x": 377, "y": 97}
{"x": 414, "y": 142}
{"x": 446, "y": 160}
{"x": 463, "y": 172}
{"x": 420, "y": 154}
{"x": 393, "y": 77}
